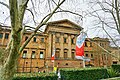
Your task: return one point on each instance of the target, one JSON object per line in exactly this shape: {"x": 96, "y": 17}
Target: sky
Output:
{"x": 41, "y": 8}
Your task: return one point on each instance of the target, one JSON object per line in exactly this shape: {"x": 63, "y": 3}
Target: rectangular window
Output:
{"x": 91, "y": 55}
{"x": 41, "y": 55}
{"x": 86, "y": 44}
{"x": 6, "y": 35}
{"x": 86, "y": 55}
{"x": 1, "y": 35}
{"x": 24, "y": 54}
{"x": 57, "y": 39}
{"x": 34, "y": 39}
{"x": 65, "y": 40}
{"x": 42, "y": 40}
{"x": 90, "y": 44}
{"x": 72, "y": 41}
{"x": 33, "y": 55}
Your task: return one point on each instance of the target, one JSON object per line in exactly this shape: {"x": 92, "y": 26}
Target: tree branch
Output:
{"x": 4, "y": 4}
{"x": 40, "y": 25}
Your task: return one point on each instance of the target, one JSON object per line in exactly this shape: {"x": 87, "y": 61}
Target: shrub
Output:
{"x": 112, "y": 73}
{"x": 35, "y": 76}
{"x": 84, "y": 74}
{"x": 116, "y": 67}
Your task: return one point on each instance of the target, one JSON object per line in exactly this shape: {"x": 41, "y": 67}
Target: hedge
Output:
{"x": 35, "y": 76}
{"x": 84, "y": 74}
{"x": 116, "y": 67}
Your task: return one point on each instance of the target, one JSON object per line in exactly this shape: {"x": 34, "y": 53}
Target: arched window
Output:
{"x": 57, "y": 54}
{"x": 73, "y": 55}
{"x": 65, "y": 53}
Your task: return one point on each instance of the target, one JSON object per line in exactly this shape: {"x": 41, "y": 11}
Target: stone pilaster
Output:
{"x": 69, "y": 46}
{"x": 49, "y": 45}
{"x": 61, "y": 46}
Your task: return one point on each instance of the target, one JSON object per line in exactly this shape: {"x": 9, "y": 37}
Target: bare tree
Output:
{"x": 106, "y": 17}
{"x": 10, "y": 55}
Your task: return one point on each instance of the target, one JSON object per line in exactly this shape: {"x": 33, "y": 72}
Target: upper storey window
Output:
{"x": 34, "y": 39}
{"x": 41, "y": 55}
{"x": 65, "y": 40}
{"x": 86, "y": 44}
{"x": 1, "y": 35}
{"x": 6, "y": 35}
{"x": 72, "y": 41}
{"x": 24, "y": 54}
{"x": 33, "y": 55}
{"x": 42, "y": 40}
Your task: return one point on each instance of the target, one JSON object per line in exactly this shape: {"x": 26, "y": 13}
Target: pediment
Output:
{"x": 66, "y": 24}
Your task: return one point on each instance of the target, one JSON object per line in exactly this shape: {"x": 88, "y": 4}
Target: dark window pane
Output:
{"x": 86, "y": 55}
{"x": 1, "y": 35}
{"x": 42, "y": 39}
{"x": 90, "y": 44}
{"x": 72, "y": 41}
{"x": 6, "y": 36}
{"x": 91, "y": 55}
{"x": 34, "y": 39}
{"x": 65, "y": 40}
{"x": 85, "y": 44}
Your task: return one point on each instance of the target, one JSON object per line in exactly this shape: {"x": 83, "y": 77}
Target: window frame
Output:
{"x": 1, "y": 35}
{"x": 33, "y": 55}
{"x": 6, "y": 35}
{"x": 24, "y": 55}
{"x": 42, "y": 55}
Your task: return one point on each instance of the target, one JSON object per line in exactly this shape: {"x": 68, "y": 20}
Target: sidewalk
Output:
{"x": 115, "y": 78}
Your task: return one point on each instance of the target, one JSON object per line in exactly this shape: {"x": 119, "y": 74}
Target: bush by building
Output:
{"x": 116, "y": 67}
{"x": 35, "y": 76}
{"x": 84, "y": 74}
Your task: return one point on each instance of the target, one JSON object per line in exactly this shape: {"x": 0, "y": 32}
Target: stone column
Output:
{"x": 61, "y": 46}
{"x": 69, "y": 46}
{"x": 53, "y": 42}
{"x": 49, "y": 46}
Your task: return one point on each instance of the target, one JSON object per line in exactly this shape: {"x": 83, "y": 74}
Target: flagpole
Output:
{"x": 83, "y": 63}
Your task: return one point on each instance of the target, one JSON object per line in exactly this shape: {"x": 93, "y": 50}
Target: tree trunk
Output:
{"x": 17, "y": 9}
{"x": 8, "y": 68}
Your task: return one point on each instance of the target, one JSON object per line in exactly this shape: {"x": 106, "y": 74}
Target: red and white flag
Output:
{"x": 53, "y": 56}
{"x": 80, "y": 46}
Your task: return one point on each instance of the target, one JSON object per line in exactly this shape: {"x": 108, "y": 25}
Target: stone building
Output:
{"x": 59, "y": 35}
{"x": 116, "y": 52}
{"x": 98, "y": 57}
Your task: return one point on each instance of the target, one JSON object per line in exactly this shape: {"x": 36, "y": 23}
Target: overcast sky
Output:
{"x": 42, "y": 8}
